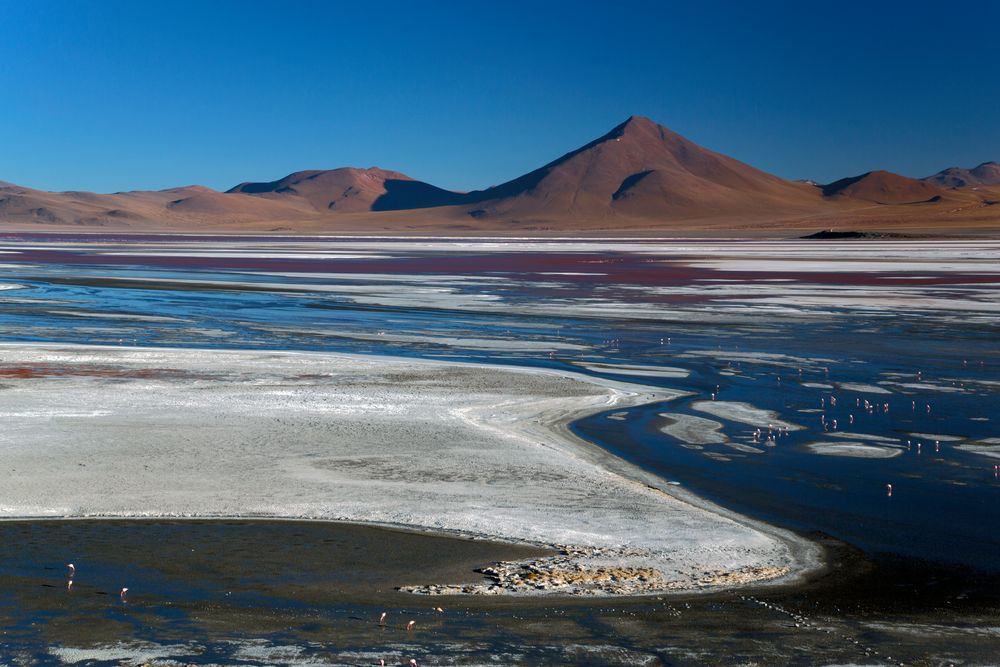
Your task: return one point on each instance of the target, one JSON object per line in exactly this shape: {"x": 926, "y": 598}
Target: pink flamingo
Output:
{"x": 888, "y": 488}
{"x": 409, "y": 626}
{"x": 72, "y": 570}
{"x": 381, "y": 619}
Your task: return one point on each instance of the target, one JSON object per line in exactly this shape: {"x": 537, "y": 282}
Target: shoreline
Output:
{"x": 592, "y": 565}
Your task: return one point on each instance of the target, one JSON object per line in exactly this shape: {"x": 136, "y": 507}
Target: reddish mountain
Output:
{"x": 351, "y": 190}
{"x": 883, "y": 187}
{"x": 988, "y": 173}
{"x": 641, "y": 169}
{"x": 638, "y": 177}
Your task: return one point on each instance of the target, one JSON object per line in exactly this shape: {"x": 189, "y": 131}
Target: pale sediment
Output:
{"x": 859, "y": 450}
{"x": 481, "y": 451}
{"x": 745, "y": 413}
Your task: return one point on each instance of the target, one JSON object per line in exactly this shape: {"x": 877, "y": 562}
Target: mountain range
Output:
{"x": 638, "y": 178}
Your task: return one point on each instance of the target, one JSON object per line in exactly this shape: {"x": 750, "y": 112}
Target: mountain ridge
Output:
{"x": 638, "y": 175}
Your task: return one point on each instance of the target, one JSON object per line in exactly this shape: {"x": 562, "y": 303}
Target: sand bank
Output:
{"x": 744, "y": 413}
{"x": 858, "y": 450}
{"x": 693, "y": 430}
{"x": 452, "y": 448}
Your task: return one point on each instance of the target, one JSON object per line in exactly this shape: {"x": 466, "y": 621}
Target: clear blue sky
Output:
{"x": 108, "y": 95}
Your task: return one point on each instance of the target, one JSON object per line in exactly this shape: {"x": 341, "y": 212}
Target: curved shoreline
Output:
{"x": 606, "y": 549}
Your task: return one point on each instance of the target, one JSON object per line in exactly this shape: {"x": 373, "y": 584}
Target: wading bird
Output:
{"x": 72, "y": 570}
{"x": 124, "y": 595}
{"x": 381, "y": 619}
{"x": 409, "y": 626}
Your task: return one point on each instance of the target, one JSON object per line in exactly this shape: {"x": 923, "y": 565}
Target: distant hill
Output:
{"x": 988, "y": 173}
{"x": 883, "y": 187}
{"x": 638, "y": 178}
{"x": 352, "y": 190}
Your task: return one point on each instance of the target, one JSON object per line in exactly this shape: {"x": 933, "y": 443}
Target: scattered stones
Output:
{"x": 587, "y": 571}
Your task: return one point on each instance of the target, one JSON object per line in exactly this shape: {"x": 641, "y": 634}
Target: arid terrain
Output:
{"x": 638, "y": 179}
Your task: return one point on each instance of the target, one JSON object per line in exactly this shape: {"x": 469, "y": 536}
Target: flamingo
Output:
{"x": 381, "y": 619}
{"x": 409, "y": 626}
{"x": 69, "y": 585}
{"x": 888, "y": 488}
{"x": 124, "y": 595}
{"x": 72, "y": 570}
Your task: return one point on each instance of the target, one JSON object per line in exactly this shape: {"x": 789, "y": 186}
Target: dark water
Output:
{"x": 566, "y": 309}
{"x": 266, "y": 593}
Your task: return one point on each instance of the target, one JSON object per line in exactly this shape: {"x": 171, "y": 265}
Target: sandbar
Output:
{"x": 744, "y": 413}
{"x": 858, "y": 450}
{"x": 693, "y": 430}
{"x": 451, "y": 448}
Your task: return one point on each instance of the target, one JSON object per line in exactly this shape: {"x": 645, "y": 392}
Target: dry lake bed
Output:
{"x": 581, "y": 452}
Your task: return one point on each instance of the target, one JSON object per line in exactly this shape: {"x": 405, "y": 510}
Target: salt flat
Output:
{"x": 457, "y": 448}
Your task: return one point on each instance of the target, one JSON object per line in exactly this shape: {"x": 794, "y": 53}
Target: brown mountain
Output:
{"x": 638, "y": 178}
{"x": 191, "y": 205}
{"x": 988, "y": 173}
{"x": 883, "y": 187}
{"x": 641, "y": 169}
{"x": 352, "y": 190}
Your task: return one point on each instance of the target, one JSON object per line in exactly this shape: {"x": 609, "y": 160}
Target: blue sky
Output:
{"x": 109, "y": 95}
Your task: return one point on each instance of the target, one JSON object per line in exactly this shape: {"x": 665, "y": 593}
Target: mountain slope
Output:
{"x": 988, "y": 173}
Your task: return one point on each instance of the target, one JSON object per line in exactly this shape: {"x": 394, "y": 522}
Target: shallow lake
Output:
{"x": 880, "y": 358}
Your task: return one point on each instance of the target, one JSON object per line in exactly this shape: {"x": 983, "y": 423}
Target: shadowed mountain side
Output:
{"x": 409, "y": 194}
{"x": 988, "y": 173}
{"x": 883, "y": 187}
